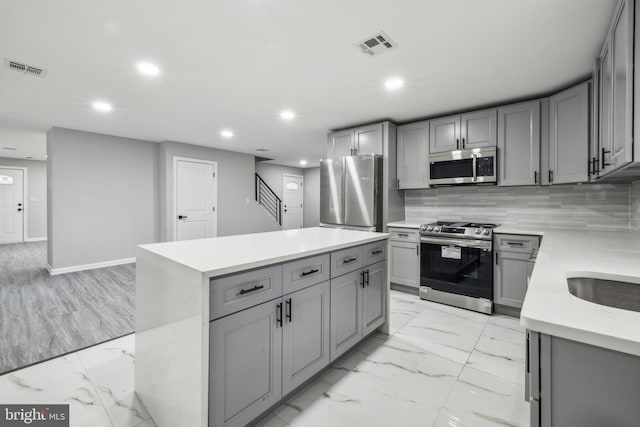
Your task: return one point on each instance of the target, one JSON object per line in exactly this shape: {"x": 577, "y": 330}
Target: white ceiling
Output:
{"x": 236, "y": 64}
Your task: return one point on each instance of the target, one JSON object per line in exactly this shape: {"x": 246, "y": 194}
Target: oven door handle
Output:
{"x": 481, "y": 244}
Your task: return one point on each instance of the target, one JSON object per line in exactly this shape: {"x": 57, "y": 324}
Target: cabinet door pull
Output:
{"x": 362, "y": 279}
{"x": 550, "y": 176}
{"x": 367, "y": 273}
{"x": 248, "y": 291}
{"x": 306, "y": 273}
{"x": 535, "y": 177}
{"x": 604, "y": 163}
{"x": 463, "y": 143}
{"x": 376, "y": 252}
{"x": 289, "y": 311}
{"x": 418, "y": 250}
{"x": 349, "y": 261}
{"x": 497, "y": 262}
{"x": 279, "y": 314}
{"x": 457, "y": 144}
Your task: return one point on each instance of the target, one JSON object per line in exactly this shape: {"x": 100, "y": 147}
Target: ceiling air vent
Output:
{"x": 376, "y": 44}
{"x": 24, "y": 68}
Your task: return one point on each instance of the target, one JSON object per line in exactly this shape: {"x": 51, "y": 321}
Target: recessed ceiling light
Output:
{"x": 148, "y": 69}
{"x": 287, "y": 114}
{"x": 102, "y": 106}
{"x": 394, "y": 83}
{"x": 303, "y": 162}
{"x": 226, "y": 133}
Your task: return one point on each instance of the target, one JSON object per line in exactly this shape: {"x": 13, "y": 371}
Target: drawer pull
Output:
{"x": 518, "y": 244}
{"x": 376, "y": 252}
{"x": 255, "y": 288}
{"x": 306, "y": 273}
{"x": 403, "y": 235}
{"x": 349, "y": 261}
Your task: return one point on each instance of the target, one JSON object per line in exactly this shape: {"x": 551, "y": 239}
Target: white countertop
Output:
{"x": 409, "y": 224}
{"x": 229, "y": 254}
{"x": 550, "y": 308}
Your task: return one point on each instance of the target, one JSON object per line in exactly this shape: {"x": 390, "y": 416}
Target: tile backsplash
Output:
{"x": 634, "y": 207}
{"x": 586, "y": 206}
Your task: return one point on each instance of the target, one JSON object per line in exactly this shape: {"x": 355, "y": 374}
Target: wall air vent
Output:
{"x": 376, "y": 44}
{"x": 24, "y": 68}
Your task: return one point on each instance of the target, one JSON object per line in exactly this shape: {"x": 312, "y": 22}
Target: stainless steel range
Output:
{"x": 456, "y": 264}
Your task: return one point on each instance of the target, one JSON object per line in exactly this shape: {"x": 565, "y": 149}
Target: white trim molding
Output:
{"x": 25, "y": 194}
{"x": 64, "y": 270}
{"x": 35, "y": 239}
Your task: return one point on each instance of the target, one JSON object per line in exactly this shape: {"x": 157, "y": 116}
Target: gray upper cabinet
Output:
{"x": 368, "y": 139}
{"x": 444, "y": 134}
{"x": 340, "y": 143}
{"x": 519, "y": 144}
{"x": 569, "y": 135}
{"x": 413, "y": 143}
{"x": 478, "y": 129}
{"x": 305, "y": 335}
{"x": 351, "y": 142}
{"x": 615, "y": 92}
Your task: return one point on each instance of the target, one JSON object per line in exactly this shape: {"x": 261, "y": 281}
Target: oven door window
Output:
{"x": 451, "y": 169}
{"x": 456, "y": 269}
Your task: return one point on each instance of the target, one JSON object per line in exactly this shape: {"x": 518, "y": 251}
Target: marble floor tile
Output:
{"x": 503, "y": 333}
{"x": 355, "y": 402}
{"x": 453, "y": 341}
{"x": 500, "y": 358}
{"x": 117, "y": 394}
{"x": 147, "y": 423}
{"x": 108, "y": 358}
{"x": 453, "y": 317}
{"x": 507, "y": 322}
{"x": 40, "y": 382}
{"x": 402, "y": 309}
{"x": 85, "y": 408}
{"x": 479, "y": 399}
{"x": 401, "y": 367}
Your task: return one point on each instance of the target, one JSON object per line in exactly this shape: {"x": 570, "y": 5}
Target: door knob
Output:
{"x": 19, "y": 209}
{"x": 182, "y": 217}
{"x": 19, "y": 204}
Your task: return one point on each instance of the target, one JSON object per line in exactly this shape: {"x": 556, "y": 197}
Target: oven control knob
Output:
{"x": 486, "y": 232}
{"x": 478, "y": 231}
{"x": 437, "y": 229}
{"x": 430, "y": 228}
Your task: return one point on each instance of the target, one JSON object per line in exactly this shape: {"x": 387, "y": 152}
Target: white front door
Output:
{"x": 11, "y": 205}
{"x": 292, "y": 202}
{"x": 195, "y": 199}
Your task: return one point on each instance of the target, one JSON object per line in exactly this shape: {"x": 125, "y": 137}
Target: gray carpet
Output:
{"x": 43, "y": 316}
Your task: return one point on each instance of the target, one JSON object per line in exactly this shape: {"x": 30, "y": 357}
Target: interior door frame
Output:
{"x": 284, "y": 177}
{"x": 174, "y": 218}
{"x": 25, "y": 186}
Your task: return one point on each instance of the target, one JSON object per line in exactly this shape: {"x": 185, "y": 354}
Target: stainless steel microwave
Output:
{"x": 473, "y": 166}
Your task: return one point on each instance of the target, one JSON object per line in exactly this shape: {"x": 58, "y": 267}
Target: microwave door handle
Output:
{"x": 475, "y": 167}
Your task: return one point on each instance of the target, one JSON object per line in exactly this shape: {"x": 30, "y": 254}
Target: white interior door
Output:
{"x": 11, "y": 205}
{"x": 195, "y": 199}
{"x": 292, "y": 202}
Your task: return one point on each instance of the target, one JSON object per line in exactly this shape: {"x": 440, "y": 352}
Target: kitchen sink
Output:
{"x": 612, "y": 293}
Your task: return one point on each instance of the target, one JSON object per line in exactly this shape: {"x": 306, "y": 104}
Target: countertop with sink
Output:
{"x": 550, "y": 308}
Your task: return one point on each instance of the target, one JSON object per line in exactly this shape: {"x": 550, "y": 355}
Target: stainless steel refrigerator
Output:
{"x": 351, "y": 192}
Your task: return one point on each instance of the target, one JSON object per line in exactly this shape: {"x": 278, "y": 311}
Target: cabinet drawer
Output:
{"x": 516, "y": 243}
{"x": 305, "y": 272}
{"x": 346, "y": 260}
{"x": 407, "y": 234}
{"x": 239, "y": 291}
{"x": 375, "y": 252}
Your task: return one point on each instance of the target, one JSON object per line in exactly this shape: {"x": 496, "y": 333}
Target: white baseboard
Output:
{"x": 35, "y": 239}
{"x": 63, "y": 270}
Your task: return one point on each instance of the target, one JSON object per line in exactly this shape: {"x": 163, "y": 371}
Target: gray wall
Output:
{"x": 272, "y": 175}
{"x": 102, "y": 197}
{"x": 587, "y": 206}
{"x": 311, "y": 197}
{"x": 238, "y": 213}
{"x": 634, "y": 207}
{"x": 36, "y": 188}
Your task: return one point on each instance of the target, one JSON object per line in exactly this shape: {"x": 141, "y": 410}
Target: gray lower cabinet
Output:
{"x": 572, "y": 384}
{"x": 569, "y": 135}
{"x": 405, "y": 263}
{"x": 374, "y": 302}
{"x": 519, "y": 144}
{"x": 305, "y": 335}
{"x": 512, "y": 259}
{"x": 245, "y": 364}
{"x": 346, "y": 312}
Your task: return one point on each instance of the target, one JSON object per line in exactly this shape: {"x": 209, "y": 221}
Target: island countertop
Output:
{"x": 229, "y": 254}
